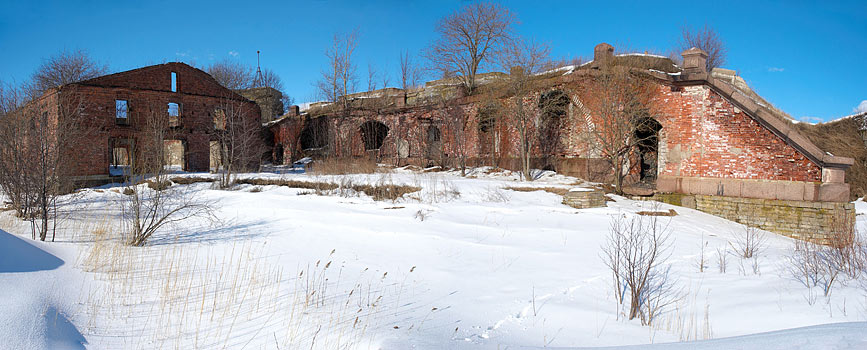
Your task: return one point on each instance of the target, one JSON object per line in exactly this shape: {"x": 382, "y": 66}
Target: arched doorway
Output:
{"x": 647, "y": 141}
{"x": 314, "y": 135}
{"x": 373, "y": 135}
{"x": 553, "y": 106}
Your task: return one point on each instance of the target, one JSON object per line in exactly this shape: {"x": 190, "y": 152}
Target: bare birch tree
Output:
{"x": 467, "y": 38}
{"x": 239, "y": 140}
{"x": 708, "y": 40}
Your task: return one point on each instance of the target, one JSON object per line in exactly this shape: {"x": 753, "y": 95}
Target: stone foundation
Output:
{"x": 584, "y": 199}
{"x": 797, "y": 219}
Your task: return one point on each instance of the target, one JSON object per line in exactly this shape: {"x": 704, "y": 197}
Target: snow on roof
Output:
{"x": 641, "y": 54}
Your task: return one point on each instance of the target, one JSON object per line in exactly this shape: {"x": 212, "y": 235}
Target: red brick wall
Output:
{"x": 703, "y": 135}
{"x": 706, "y": 136}
{"x": 197, "y": 112}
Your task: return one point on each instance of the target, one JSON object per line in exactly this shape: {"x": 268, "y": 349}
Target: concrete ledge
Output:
{"x": 758, "y": 189}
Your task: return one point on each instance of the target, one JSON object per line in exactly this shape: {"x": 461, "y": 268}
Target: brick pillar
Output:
{"x": 603, "y": 54}
{"x": 694, "y": 61}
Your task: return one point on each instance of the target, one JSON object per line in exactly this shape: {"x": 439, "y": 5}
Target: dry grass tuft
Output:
{"x": 344, "y": 166}
{"x": 842, "y": 138}
{"x": 670, "y": 212}
{"x": 379, "y": 191}
{"x": 191, "y": 180}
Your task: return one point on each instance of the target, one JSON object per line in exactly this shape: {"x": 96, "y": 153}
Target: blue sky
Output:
{"x": 808, "y": 58}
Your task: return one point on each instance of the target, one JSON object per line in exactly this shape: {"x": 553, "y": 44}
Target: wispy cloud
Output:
{"x": 775, "y": 69}
{"x": 862, "y": 107}
{"x": 233, "y": 53}
{"x": 811, "y": 120}
{"x": 182, "y": 54}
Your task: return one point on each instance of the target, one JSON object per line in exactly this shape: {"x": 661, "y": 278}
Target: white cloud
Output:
{"x": 862, "y": 107}
{"x": 811, "y": 120}
{"x": 775, "y": 69}
{"x": 233, "y": 53}
{"x": 181, "y": 54}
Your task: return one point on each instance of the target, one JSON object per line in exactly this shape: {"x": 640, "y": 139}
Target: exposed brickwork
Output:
{"x": 706, "y": 136}
{"x": 148, "y": 92}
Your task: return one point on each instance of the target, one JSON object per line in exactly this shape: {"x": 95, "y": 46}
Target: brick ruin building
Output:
{"x": 115, "y": 109}
{"x": 718, "y": 146}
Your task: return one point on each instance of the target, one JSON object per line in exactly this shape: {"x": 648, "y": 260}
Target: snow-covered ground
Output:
{"x": 463, "y": 264}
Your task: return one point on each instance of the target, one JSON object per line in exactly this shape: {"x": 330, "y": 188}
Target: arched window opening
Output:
{"x": 373, "y": 134}
{"x": 314, "y": 135}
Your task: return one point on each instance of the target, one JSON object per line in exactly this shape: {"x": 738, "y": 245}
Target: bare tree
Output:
{"x": 619, "y": 110}
{"x": 271, "y": 79}
{"x": 467, "y": 38}
{"x": 456, "y": 121}
{"x": 708, "y": 40}
{"x": 635, "y": 252}
{"x": 239, "y": 141}
{"x": 339, "y": 78}
{"x": 371, "y": 77}
{"x": 64, "y": 68}
{"x": 151, "y": 201}
{"x": 409, "y": 73}
{"x": 232, "y": 74}
{"x": 524, "y": 58}
{"x": 36, "y": 164}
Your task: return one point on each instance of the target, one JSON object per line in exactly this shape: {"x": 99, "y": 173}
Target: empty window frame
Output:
{"x": 121, "y": 111}
{"x": 220, "y": 119}
{"x": 174, "y": 114}
{"x": 174, "y": 82}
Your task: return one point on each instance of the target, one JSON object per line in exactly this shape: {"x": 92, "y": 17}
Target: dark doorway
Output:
{"x": 647, "y": 136}
{"x": 278, "y": 154}
{"x": 315, "y": 134}
{"x": 373, "y": 135}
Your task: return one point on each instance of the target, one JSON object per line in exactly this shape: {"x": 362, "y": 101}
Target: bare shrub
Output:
{"x": 840, "y": 260}
{"x": 150, "y": 205}
{"x": 495, "y": 195}
{"x": 722, "y": 258}
{"x": 749, "y": 242}
{"x": 635, "y": 253}
{"x": 439, "y": 189}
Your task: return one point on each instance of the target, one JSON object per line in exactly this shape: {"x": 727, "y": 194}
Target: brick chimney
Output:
{"x": 603, "y": 54}
{"x": 694, "y": 61}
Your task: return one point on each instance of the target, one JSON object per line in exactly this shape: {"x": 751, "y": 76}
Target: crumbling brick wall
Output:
{"x": 704, "y": 135}
{"x": 148, "y": 92}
